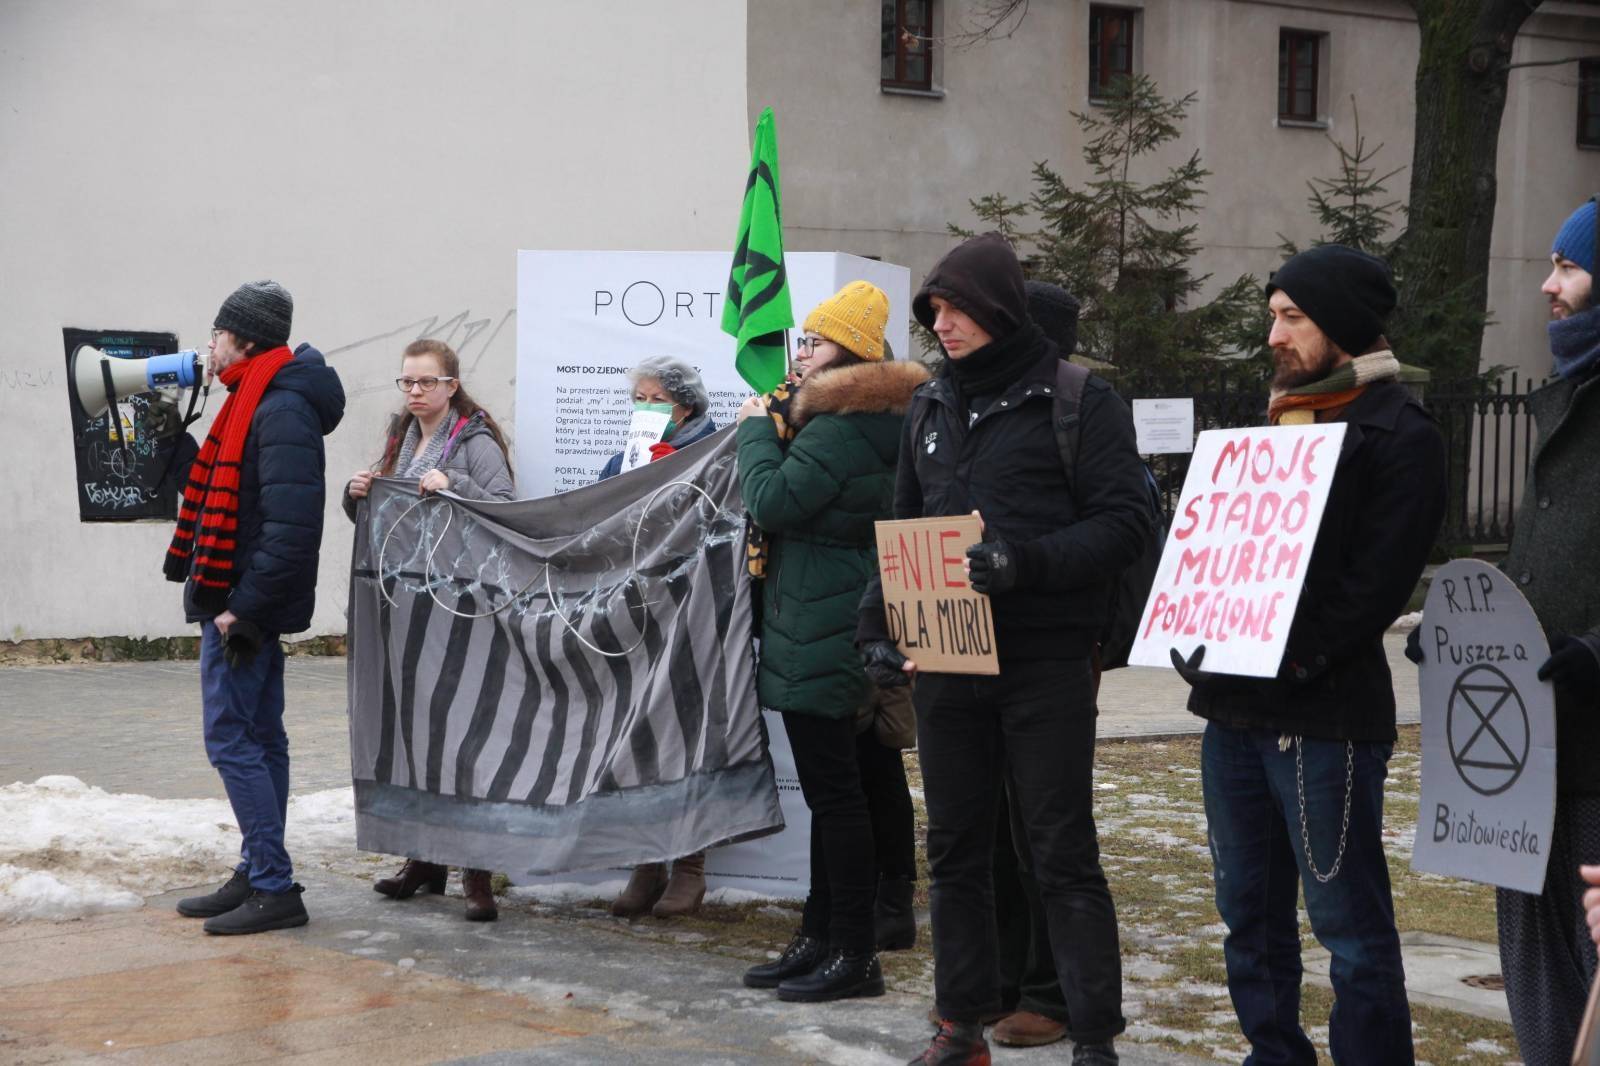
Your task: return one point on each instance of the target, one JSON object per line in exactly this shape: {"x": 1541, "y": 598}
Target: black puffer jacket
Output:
{"x": 1006, "y": 465}
{"x": 1382, "y": 517}
{"x": 281, "y": 494}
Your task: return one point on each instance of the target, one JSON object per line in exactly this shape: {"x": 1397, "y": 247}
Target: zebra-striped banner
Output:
{"x": 558, "y": 684}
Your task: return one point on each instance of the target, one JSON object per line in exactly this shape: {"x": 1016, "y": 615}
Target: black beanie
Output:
{"x": 982, "y": 277}
{"x": 1056, "y": 312}
{"x": 1347, "y": 293}
{"x": 258, "y": 311}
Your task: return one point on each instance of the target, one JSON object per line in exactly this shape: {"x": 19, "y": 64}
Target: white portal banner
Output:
{"x": 1241, "y": 539}
{"x": 1488, "y": 732}
{"x": 584, "y": 319}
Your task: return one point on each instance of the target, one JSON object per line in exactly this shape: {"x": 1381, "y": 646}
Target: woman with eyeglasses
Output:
{"x": 668, "y": 382}
{"x": 443, "y": 441}
{"x": 817, "y": 497}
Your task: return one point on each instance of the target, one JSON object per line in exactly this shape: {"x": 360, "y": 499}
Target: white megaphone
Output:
{"x": 96, "y": 380}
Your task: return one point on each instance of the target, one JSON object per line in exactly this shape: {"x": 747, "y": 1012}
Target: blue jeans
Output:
{"x": 1253, "y": 821}
{"x": 245, "y": 741}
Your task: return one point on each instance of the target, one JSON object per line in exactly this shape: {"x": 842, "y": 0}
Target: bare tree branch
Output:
{"x": 989, "y": 20}
{"x": 1550, "y": 62}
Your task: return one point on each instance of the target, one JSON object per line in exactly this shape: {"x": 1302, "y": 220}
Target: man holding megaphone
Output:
{"x": 249, "y": 531}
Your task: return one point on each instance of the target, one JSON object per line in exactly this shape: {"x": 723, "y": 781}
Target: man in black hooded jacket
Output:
{"x": 979, "y": 437}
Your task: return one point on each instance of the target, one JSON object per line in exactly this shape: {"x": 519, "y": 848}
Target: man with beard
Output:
{"x": 1545, "y": 951}
{"x": 980, "y": 437}
{"x": 1293, "y": 766}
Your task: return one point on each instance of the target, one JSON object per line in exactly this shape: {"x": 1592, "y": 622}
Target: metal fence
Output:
{"x": 1488, "y": 434}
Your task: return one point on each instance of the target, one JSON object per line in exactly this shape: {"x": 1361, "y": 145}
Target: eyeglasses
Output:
{"x": 425, "y": 384}
{"x": 809, "y": 344}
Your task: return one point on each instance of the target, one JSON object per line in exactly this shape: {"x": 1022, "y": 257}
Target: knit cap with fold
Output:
{"x": 1056, "y": 311}
{"x": 1346, "y": 292}
{"x": 259, "y": 311}
{"x": 1576, "y": 237}
{"x": 982, "y": 277}
{"x": 854, "y": 318}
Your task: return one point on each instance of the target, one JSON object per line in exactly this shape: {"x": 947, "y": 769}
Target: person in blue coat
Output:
{"x": 246, "y": 547}
{"x": 665, "y": 380}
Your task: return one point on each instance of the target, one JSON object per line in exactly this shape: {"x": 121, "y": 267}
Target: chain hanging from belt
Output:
{"x": 1300, "y": 791}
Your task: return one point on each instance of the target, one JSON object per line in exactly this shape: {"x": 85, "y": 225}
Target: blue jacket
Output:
{"x": 696, "y": 429}
{"x": 281, "y": 495}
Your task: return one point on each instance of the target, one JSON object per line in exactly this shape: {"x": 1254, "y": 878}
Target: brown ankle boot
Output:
{"x": 409, "y": 878}
{"x": 645, "y": 886}
{"x": 685, "y": 888}
{"x": 480, "y": 898}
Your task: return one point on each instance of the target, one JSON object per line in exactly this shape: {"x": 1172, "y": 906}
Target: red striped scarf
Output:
{"x": 211, "y": 498}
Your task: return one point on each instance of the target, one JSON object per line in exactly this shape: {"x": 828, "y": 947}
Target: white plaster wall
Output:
{"x": 384, "y": 161}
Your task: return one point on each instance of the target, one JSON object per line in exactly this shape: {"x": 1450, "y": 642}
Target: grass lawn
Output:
{"x": 1153, "y": 844}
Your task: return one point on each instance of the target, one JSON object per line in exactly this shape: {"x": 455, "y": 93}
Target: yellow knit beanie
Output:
{"x": 854, "y": 318}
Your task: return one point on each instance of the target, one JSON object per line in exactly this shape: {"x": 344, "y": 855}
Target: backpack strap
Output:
{"x": 1070, "y": 381}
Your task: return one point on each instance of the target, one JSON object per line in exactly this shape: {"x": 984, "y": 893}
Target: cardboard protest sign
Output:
{"x": 649, "y": 425}
{"x": 1236, "y": 555}
{"x": 935, "y": 618}
{"x": 1488, "y": 732}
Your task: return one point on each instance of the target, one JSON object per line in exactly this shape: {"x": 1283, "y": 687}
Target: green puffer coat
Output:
{"x": 818, "y": 502}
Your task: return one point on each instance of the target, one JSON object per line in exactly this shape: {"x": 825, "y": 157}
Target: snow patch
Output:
{"x": 71, "y": 850}
{"x": 818, "y": 1045}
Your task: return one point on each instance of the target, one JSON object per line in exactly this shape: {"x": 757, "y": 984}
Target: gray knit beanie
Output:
{"x": 258, "y": 311}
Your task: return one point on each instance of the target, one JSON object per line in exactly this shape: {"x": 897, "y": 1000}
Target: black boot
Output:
{"x": 894, "y": 922}
{"x": 260, "y": 912}
{"x": 840, "y": 976}
{"x": 1094, "y": 1054}
{"x": 234, "y": 891}
{"x": 804, "y": 954}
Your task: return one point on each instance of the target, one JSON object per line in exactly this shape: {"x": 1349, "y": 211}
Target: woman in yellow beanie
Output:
{"x": 817, "y": 500}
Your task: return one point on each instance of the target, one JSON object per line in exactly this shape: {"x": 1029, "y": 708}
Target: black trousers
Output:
{"x": 1028, "y": 978}
{"x": 894, "y": 827}
{"x": 844, "y": 880}
{"x": 1035, "y": 720}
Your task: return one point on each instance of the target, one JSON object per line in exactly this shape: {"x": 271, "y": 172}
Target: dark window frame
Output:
{"x": 903, "y": 53}
{"x": 1102, "y": 71}
{"x": 1289, "y": 66}
{"x": 1588, "y": 117}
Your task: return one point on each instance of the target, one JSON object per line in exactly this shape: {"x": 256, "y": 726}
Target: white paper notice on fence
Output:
{"x": 1236, "y": 555}
{"x": 1488, "y": 732}
{"x": 649, "y": 425}
{"x": 1164, "y": 427}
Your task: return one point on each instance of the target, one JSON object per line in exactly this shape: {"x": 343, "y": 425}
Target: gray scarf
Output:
{"x": 410, "y": 464}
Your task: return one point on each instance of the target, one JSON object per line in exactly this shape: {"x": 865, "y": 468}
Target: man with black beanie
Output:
{"x": 979, "y": 437}
{"x": 249, "y": 533}
{"x": 1292, "y": 767}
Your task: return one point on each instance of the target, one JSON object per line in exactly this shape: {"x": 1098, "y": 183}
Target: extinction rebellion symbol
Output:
{"x": 1488, "y": 731}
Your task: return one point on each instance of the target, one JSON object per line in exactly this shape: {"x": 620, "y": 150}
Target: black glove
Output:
{"x": 884, "y": 664}
{"x": 1572, "y": 665}
{"x": 240, "y": 647}
{"x": 1190, "y": 671}
{"x": 992, "y": 567}
{"x": 1414, "y": 645}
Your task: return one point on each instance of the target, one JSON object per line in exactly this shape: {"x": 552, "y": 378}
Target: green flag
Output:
{"x": 756, "y": 310}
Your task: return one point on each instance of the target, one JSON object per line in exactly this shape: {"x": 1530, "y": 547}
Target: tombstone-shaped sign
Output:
{"x": 1488, "y": 732}
{"x": 1239, "y": 547}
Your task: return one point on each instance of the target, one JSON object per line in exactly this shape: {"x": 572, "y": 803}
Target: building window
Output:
{"x": 908, "y": 44}
{"x": 1589, "y": 103}
{"x": 1298, "y": 55}
{"x": 1110, "y": 47}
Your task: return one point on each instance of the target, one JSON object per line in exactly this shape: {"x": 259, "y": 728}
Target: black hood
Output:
{"x": 982, "y": 277}
{"x": 309, "y": 375}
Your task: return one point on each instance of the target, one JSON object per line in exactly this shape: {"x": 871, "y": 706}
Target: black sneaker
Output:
{"x": 261, "y": 912}
{"x": 1094, "y": 1055}
{"x": 840, "y": 976}
{"x": 804, "y": 954}
{"x": 234, "y": 891}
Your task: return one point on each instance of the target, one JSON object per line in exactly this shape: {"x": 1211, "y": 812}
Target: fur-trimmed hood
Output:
{"x": 860, "y": 389}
